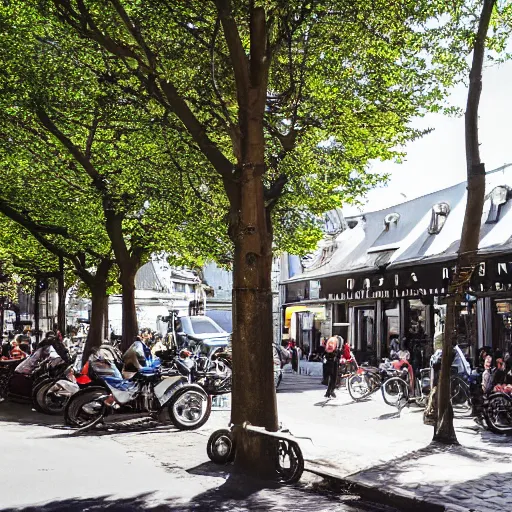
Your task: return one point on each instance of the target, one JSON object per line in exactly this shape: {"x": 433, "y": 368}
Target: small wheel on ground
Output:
{"x": 190, "y": 408}
{"x": 221, "y": 447}
{"x": 290, "y": 462}
{"x": 394, "y": 391}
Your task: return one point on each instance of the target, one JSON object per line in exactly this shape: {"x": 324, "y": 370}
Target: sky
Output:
{"x": 438, "y": 159}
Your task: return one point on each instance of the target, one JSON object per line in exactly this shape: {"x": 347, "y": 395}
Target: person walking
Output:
{"x": 332, "y": 358}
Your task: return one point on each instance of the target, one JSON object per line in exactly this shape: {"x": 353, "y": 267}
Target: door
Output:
{"x": 365, "y": 332}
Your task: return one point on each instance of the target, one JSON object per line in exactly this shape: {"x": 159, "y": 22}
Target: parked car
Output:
{"x": 201, "y": 333}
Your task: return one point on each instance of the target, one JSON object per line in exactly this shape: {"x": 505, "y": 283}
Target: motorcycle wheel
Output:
{"x": 358, "y": 387}
{"x": 190, "y": 408}
{"x": 394, "y": 390}
{"x": 221, "y": 447}
{"x": 43, "y": 401}
{"x": 84, "y": 410}
{"x": 290, "y": 462}
{"x": 498, "y": 414}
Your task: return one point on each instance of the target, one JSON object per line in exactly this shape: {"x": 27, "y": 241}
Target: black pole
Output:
{"x": 61, "y": 311}
{"x": 36, "y": 311}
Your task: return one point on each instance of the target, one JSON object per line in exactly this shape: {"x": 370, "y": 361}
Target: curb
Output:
{"x": 374, "y": 494}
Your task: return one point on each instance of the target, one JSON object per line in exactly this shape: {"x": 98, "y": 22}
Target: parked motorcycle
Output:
{"x": 43, "y": 363}
{"x": 497, "y": 411}
{"x": 146, "y": 394}
{"x": 51, "y": 394}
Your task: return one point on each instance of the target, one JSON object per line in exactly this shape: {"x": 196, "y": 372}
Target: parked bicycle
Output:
{"x": 393, "y": 383}
{"x": 459, "y": 388}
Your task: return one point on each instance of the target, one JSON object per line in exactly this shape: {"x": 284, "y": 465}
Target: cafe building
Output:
{"x": 384, "y": 274}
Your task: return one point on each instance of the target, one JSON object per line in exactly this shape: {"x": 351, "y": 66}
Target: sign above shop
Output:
{"x": 423, "y": 281}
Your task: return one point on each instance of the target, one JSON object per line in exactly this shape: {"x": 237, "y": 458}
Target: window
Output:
{"x": 440, "y": 213}
{"x": 391, "y": 235}
{"x": 498, "y": 198}
{"x": 179, "y": 287}
{"x": 391, "y": 220}
{"x": 201, "y": 326}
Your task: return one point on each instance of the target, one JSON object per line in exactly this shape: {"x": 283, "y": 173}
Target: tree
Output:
{"x": 103, "y": 171}
{"x": 287, "y": 102}
{"x": 467, "y": 253}
{"x": 29, "y": 260}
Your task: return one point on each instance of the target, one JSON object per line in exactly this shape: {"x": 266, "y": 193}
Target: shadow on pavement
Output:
{"x": 238, "y": 493}
{"x": 23, "y": 413}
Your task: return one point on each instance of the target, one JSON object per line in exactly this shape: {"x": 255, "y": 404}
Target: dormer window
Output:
{"x": 391, "y": 220}
{"x": 498, "y": 198}
{"x": 440, "y": 213}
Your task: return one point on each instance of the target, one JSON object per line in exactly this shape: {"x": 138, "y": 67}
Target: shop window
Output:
{"x": 498, "y": 198}
{"x": 440, "y": 213}
{"x": 339, "y": 314}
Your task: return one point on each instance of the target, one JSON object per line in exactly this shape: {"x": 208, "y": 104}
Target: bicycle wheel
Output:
{"x": 460, "y": 396}
{"x": 290, "y": 462}
{"x": 358, "y": 387}
{"x": 394, "y": 390}
{"x": 498, "y": 414}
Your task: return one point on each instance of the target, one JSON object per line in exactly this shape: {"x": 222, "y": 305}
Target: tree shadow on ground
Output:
{"x": 237, "y": 493}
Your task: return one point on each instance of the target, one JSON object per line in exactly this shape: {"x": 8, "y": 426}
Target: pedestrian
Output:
{"x": 295, "y": 356}
{"x": 321, "y": 355}
{"x": 332, "y": 358}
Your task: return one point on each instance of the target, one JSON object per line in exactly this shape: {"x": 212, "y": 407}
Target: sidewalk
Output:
{"x": 394, "y": 456}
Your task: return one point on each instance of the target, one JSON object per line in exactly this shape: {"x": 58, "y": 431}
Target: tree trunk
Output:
{"x": 251, "y": 231}
{"x": 128, "y": 262}
{"x": 129, "y": 313}
{"x": 37, "y": 294}
{"x": 61, "y": 310}
{"x": 468, "y": 249}
{"x": 98, "y": 286}
{"x": 106, "y": 327}
{"x": 94, "y": 336}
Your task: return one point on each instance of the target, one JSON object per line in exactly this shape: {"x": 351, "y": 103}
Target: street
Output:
{"x": 140, "y": 468}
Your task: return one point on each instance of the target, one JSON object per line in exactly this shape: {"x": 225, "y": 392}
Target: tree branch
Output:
{"x": 24, "y": 220}
{"x": 97, "y": 179}
{"x": 239, "y": 61}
